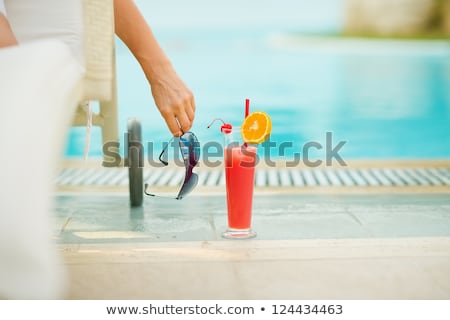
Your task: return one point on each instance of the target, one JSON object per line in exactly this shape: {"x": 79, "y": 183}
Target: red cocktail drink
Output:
{"x": 240, "y": 161}
{"x": 240, "y": 177}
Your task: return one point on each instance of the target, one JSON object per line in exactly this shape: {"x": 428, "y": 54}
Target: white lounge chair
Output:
{"x": 87, "y": 28}
{"x": 65, "y": 56}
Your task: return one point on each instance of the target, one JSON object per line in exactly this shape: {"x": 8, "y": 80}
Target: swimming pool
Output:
{"x": 385, "y": 99}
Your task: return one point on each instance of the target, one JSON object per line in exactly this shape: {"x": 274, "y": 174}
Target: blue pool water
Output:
{"x": 385, "y": 99}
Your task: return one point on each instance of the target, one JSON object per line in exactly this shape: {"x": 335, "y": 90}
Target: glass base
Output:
{"x": 239, "y": 234}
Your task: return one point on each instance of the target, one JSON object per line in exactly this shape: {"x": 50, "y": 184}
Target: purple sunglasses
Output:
{"x": 190, "y": 151}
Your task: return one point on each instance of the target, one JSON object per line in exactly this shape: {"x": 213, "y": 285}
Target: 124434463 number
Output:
{"x": 307, "y": 309}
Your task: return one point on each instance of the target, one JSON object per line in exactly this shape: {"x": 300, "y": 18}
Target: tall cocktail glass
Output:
{"x": 240, "y": 161}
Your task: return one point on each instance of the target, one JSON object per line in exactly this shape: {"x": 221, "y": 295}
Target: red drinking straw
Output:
{"x": 247, "y": 107}
{"x": 247, "y": 111}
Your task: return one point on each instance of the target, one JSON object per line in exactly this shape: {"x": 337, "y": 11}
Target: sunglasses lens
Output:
{"x": 189, "y": 184}
{"x": 189, "y": 142}
{"x": 195, "y": 149}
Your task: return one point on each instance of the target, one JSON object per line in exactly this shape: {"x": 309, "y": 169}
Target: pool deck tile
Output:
{"x": 307, "y": 247}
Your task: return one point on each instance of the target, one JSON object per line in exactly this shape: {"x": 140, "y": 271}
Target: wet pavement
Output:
{"x": 109, "y": 219}
{"x": 307, "y": 247}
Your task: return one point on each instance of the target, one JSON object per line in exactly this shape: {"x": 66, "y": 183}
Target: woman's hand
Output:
{"x": 173, "y": 98}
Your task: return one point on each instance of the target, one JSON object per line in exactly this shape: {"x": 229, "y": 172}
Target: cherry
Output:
{"x": 226, "y": 128}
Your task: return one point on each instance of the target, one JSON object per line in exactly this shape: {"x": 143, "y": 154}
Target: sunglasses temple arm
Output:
{"x": 163, "y": 152}
{"x": 145, "y": 190}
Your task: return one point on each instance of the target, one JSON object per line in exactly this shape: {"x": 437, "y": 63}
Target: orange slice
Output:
{"x": 256, "y": 127}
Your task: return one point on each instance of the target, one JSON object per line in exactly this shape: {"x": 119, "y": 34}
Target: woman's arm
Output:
{"x": 7, "y": 37}
{"x": 172, "y": 97}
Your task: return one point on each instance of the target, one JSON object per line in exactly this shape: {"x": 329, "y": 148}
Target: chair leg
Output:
{"x": 110, "y": 127}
